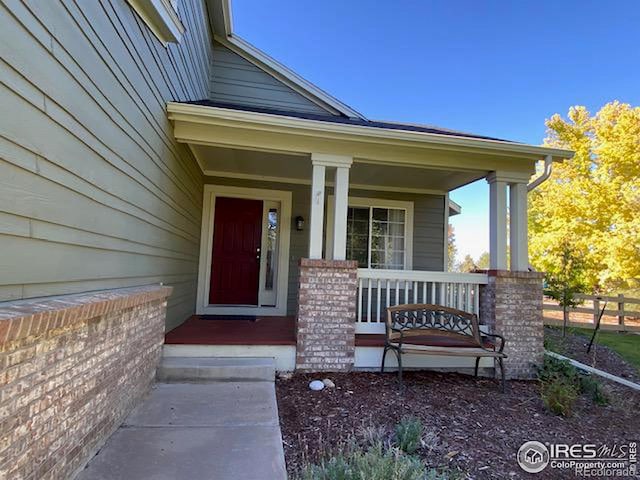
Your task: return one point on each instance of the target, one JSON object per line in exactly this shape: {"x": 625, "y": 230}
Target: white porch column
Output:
{"x": 518, "y": 240}
{"x": 317, "y": 209}
{"x": 341, "y": 199}
{"x": 342, "y": 164}
{"x": 497, "y": 222}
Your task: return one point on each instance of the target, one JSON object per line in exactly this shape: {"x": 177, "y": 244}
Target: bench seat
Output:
{"x": 448, "y": 342}
{"x": 439, "y": 330}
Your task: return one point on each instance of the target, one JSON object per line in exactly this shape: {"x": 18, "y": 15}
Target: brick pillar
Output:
{"x": 326, "y": 315}
{"x": 511, "y": 304}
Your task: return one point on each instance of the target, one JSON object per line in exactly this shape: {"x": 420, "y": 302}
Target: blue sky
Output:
{"x": 498, "y": 68}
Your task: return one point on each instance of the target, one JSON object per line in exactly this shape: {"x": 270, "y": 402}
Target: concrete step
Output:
{"x": 216, "y": 369}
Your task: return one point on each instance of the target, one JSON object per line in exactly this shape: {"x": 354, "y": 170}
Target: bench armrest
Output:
{"x": 388, "y": 329}
{"x": 499, "y": 337}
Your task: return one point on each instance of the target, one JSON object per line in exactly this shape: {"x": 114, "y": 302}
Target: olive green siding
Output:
{"x": 237, "y": 81}
{"x": 428, "y": 225}
{"x": 94, "y": 191}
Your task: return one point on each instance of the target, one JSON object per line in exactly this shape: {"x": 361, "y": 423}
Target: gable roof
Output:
{"x": 221, "y": 21}
{"x": 222, "y": 25}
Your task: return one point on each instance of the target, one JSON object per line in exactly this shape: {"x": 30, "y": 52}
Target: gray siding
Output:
{"x": 428, "y": 226}
{"x": 238, "y": 81}
{"x": 94, "y": 191}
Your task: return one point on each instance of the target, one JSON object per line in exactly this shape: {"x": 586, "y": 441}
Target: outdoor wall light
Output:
{"x": 299, "y": 223}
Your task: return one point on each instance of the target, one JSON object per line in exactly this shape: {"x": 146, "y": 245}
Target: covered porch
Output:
{"x": 348, "y": 194}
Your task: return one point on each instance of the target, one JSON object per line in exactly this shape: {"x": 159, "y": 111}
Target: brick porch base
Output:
{"x": 511, "y": 304}
{"x": 326, "y": 315}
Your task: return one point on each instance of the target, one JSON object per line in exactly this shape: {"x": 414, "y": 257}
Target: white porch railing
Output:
{"x": 379, "y": 289}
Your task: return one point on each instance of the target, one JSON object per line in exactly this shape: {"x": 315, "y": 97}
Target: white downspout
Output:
{"x": 548, "y": 167}
{"x": 546, "y": 173}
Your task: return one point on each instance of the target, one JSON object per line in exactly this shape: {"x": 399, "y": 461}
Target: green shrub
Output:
{"x": 409, "y": 434}
{"x": 554, "y": 344}
{"x": 370, "y": 435}
{"x": 334, "y": 468}
{"x": 559, "y": 396}
{"x": 554, "y": 369}
{"x": 380, "y": 460}
{"x": 376, "y": 463}
{"x": 561, "y": 383}
{"x": 590, "y": 386}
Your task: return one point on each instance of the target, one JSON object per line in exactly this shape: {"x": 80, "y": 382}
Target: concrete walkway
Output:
{"x": 193, "y": 431}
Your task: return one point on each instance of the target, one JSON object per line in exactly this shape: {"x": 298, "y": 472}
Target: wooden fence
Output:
{"x": 622, "y": 313}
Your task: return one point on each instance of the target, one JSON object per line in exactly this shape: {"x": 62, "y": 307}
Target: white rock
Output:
{"x": 285, "y": 375}
{"x": 328, "y": 383}
{"x": 316, "y": 385}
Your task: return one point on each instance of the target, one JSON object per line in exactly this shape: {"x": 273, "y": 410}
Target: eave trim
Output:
{"x": 265, "y": 121}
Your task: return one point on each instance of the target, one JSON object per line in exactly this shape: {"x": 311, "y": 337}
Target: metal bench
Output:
{"x": 438, "y": 330}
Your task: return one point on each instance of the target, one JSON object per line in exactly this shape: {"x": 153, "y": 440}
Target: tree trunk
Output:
{"x": 565, "y": 319}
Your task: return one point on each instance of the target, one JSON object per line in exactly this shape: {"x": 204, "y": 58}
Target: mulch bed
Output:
{"x": 477, "y": 429}
{"x": 574, "y": 346}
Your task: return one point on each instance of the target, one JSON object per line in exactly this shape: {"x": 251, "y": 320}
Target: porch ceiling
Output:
{"x": 296, "y": 168}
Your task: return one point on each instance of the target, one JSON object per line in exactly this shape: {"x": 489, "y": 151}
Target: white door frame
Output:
{"x": 206, "y": 245}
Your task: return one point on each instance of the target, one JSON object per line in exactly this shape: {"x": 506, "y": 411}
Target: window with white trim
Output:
{"x": 379, "y": 232}
{"x": 376, "y": 237}
{"x": 161, "y": 16}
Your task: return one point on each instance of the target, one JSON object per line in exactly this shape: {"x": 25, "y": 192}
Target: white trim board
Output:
{"x": 302, "y": 181}
{"x": 445, "y": 254}
{"x": 268, "y": 122}
{"x": 405, "y": 205}
{"x": 595, "y": 371}
{"x": 206, "y": 244}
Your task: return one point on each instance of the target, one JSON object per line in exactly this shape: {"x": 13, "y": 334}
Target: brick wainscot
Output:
{"x": 511, "y": 305}
{"x": 326, "y": 315}
{"x": 71, "y": 369}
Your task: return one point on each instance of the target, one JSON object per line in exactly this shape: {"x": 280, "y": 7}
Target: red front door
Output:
{"x": 235, "y": 263}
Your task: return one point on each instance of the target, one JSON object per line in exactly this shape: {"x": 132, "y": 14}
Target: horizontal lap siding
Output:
{"x": 238, "y": 81}
{"x": 428, "y": 226}
{"x": 94, "y": 191}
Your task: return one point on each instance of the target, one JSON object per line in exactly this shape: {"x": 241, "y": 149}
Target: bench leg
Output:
{"x": 477, "y": 363}
{"x": 502, "y": 385}
{"x": 399, "y": 357}
{"x": 384, "y": 355}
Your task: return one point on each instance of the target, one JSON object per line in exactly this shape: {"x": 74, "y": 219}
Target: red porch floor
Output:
{"x": 203, "y": 330}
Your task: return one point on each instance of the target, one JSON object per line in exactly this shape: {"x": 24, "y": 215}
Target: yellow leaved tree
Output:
{"x": 591, "y": 202}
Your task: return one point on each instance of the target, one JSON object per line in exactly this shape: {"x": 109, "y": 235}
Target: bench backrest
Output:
{"x": 427, "y": 319}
